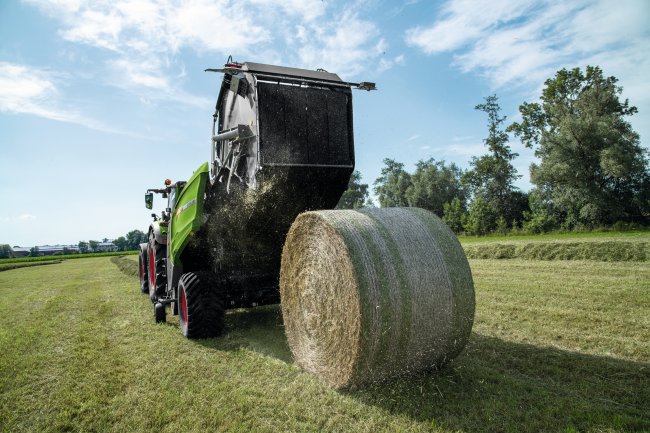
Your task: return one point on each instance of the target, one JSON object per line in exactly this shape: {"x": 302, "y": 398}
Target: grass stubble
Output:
{"x": 556, "y": 346}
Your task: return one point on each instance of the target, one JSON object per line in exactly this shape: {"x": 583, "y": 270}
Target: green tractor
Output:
{"x": 281, "y": 144}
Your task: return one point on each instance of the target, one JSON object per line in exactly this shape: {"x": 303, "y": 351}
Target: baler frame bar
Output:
{"x": 273, "y": 77}
{"x": 230, "y": 161}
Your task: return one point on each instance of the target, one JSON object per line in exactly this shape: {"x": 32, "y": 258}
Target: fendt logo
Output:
{"x": 185, "y": 206}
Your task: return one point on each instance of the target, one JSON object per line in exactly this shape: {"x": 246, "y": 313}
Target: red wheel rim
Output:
{"x": 152, "y": 269}
{"x": 183, "y": 306}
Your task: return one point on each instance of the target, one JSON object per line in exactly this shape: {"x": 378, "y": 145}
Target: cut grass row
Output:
{"x": 126, "y": 265}
{"x": 610, "y": 251}
{"x": 10, "y": 266}
{"x": 631, "y": 236}
{"x": 557, "y": 346}
{"x": 65, "y": 257}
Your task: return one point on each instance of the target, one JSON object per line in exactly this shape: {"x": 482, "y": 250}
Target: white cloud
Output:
{"x": 462, "y": 22}
{"x": 398, "y": 9}
{"x": 142, "y": 39}
{"x": 461, "y": 149}
{"x": 345, "y": 44}
{"x": 522, "y": 43}
{"x": 385, "y": 64}
{"x": 308, "y": 10}
{"x": 27, "y": 90}
{"x": 161, "y": 27}
{"x": 22, "y": 218}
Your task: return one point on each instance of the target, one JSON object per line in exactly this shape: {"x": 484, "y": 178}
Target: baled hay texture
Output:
{"x": 374, "y": 293}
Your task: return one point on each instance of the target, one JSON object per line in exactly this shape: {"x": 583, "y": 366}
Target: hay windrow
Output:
{"x": 10, "y": 266}
{"x": 374, "y": 293}
{"x": 607, "y": 251}
{"x": 128, "y": 267}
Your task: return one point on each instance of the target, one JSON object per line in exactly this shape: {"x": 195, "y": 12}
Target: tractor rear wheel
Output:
{"x": 200, "y": 305}
{"x": 143, "y": 267}
{"x": 157, "y": 269}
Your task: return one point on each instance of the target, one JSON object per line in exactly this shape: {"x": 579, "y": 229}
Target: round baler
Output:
{"x": 365, "y": 294}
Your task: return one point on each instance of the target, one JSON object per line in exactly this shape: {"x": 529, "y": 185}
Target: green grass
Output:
{"x": 556, "y": 347}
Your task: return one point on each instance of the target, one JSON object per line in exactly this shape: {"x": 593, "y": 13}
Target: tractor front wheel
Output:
{"x": 200, "y": 305}
{"x": 157, "y": 269}
{"x": 143, "y": 267}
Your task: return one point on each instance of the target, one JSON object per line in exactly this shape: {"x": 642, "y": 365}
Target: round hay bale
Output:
{"x": 374, "y": 293}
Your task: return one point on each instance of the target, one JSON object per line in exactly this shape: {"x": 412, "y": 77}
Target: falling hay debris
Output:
{"x": 374, "y": 293}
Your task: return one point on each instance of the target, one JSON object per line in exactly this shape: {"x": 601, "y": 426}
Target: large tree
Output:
{"x": 391, "y": 186}
{"x": 592, "y": 168}
{"x": 492, "y": 175}
{"x": 5, "y": 251}
{"x": 134, "y": 238}
{"x": 356, "y": 195}
{"x": 434, "y": 184}
{"x": 121, "y": 243}
{"x": 83, "y": 247}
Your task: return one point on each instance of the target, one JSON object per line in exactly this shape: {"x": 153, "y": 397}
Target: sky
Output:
{"x": 100, "y": 100}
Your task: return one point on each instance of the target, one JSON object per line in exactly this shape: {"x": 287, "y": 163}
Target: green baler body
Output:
{"x": 187, "y": 215}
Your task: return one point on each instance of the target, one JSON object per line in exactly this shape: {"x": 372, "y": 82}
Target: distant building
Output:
{"x": 17, "y": 251}
{"x": 107, "y": 246}
{"x": 50, "y": 250}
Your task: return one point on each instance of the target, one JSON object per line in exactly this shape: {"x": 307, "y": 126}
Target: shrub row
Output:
{"x": 610, "y": 251}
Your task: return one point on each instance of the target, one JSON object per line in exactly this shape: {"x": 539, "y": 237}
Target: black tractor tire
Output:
{"x": 159, "y": 312}
{"x": 200, "y": 305}
{"x": 157, "y": 270}
{"x": 143, "y": 266}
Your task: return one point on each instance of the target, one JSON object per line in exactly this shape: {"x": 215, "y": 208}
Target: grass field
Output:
{"x": 557, "y": 346}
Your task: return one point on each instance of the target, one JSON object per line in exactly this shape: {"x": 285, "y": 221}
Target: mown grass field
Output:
{"x": 558, "y": 346}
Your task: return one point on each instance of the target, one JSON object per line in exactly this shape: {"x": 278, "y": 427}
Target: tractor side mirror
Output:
{"x": 148, "y": 200}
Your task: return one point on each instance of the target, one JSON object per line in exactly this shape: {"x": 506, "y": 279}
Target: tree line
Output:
{"x": 128, "y": 242}
{"x": 592, "y": 170}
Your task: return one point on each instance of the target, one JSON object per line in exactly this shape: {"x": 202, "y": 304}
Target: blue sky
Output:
{"x": 100, "y": 100}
